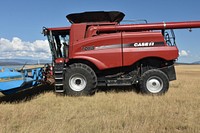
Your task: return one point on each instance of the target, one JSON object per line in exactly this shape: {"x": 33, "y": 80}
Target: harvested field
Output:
{"x": 40, "y": 110}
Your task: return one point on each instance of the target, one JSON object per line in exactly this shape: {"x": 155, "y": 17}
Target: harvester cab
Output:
{"x": 59, "y": 41}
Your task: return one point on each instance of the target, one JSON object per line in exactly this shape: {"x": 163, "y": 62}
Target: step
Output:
{"x": 58, "y": 84}
{"x": 58, "y": 72}
{"x": 58, "y": 78}
{"x": 59, "y": 91}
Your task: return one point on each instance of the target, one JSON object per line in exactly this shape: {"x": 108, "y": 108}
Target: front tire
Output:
{"x": 154, "y": 82}
{"x": 80, "y": 80}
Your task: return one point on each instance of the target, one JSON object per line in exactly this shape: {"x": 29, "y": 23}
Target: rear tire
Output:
{"x": 80, "y": 80}
{"x": 154, "y": 82}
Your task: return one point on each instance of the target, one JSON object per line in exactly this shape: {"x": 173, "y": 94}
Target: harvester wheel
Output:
{"x": 80, "y": 79}
{"x": 154, "y": 82}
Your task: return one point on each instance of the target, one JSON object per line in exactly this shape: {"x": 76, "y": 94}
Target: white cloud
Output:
{"x": 16, "y": 48}
{"x": 184, "y": 53}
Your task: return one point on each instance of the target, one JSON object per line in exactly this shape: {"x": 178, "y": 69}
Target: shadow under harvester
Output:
{"x": 25, "y": 95}
{"x": 29, "y": 94}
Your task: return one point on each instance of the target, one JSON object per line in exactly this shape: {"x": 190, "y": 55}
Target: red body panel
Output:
{"x": 134, "y": 54}
{"x": 99, "y": 50}
{"x": 77, "y": 32}
{"x": 113, "y": 50}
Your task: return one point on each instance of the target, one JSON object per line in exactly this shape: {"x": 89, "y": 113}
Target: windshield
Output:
{"x": 59, "y": 44}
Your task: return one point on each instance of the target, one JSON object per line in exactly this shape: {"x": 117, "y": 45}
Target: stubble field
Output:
{"x": 40, "y": 110}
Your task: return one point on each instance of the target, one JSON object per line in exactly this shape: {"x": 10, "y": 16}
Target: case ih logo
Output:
{"x": 144, "y": 44}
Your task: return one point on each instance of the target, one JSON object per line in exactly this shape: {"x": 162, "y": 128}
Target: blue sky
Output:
{"x": 22, "y": 21}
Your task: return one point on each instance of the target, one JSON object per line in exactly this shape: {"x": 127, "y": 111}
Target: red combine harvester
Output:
{"x": 96, "y": 50}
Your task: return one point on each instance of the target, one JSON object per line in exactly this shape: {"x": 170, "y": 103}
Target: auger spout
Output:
{"x": 93, "y": 30}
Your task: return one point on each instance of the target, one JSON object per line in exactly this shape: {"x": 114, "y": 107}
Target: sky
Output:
{"x": 21, "y": 22}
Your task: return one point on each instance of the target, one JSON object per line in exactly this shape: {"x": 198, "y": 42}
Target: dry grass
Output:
{"x": 128, "y": 112}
